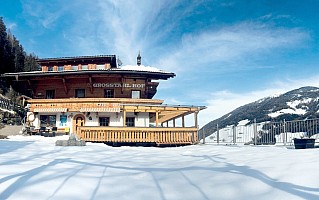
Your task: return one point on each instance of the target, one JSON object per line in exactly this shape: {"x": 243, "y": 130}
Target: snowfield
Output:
{"x": 32, "y": 167}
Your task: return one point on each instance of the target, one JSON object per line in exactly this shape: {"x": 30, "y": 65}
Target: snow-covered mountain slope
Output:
{"x": 302, "y": 103}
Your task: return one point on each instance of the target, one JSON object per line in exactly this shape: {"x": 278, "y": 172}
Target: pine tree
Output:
{"x": 7, "y": 49}
{"x": 17, "y": 54}
{"x": 13, "y": 58}
{"x": 30, "y": 63}
{"x": 3, "y": 45}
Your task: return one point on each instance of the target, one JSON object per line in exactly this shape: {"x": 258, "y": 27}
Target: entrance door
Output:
{"x": 78, "y": 121}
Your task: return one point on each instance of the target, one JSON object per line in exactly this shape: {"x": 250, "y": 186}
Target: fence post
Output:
{"x": 197, "y": 135}
{"x": 234, "y": 134}
{"x": 203, "y": 130}
{"x": 255, "y": 132}
{"x": 217, "y": 134}
{"x": 285, "y": 133}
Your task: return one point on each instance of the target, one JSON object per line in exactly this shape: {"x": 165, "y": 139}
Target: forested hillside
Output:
{"x": 13, "y": 58}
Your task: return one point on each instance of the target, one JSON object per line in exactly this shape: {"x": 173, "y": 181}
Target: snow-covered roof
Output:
{"x": 139, "y": 68}
{"x": 127, "y": 69}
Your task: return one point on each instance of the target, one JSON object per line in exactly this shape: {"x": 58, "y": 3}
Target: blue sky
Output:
{"x": 225, "y": 53}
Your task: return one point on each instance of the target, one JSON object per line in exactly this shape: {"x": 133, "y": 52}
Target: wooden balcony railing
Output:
{"x": 138, "y": 135}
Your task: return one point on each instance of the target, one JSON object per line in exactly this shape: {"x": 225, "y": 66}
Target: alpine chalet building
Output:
{"x": 94, "y": 98}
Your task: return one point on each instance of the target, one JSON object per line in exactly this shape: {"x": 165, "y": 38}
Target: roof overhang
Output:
{"x": 165, "y": 112}
{"x": 114, "y": 71}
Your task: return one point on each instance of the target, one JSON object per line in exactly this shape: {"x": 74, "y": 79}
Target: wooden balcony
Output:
{"x": 85, "y": 104}
{"x": 158, "y": 136}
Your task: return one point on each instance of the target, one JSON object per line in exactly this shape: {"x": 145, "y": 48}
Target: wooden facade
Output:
{"x": 100, "y": 102}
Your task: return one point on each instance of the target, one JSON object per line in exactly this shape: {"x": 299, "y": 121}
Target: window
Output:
{"x": 130, "y": 121}
{"x": 100, "y": 67}
{"x": 47, "y": 120}
{"x": 63, "y": 120}
{"x": 108, "y": 93}
{"x": 75, "y": 67}
{"x": 85, "y": 67}
{"x": 104, "y": 121}
{"x": 60, "y": 68}
{"x": 49, "y": 94}
{"x": 136, "y": 94}
{"x": 79, "y": 93}
{"x": 50, "y": 68}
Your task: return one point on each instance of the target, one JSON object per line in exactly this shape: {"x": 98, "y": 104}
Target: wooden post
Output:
{"x": 23, "y": 101}
{"x": 64, "y": 85}
{"x": 91, "y": 84}
{"x": 156, "y": 119}
{"x": 183, "y": 121}
{"x": 124, "y": 118}
{"x": 195, "y": 138}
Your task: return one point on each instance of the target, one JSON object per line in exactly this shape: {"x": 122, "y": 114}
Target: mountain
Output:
{"x": 298, "y": 104}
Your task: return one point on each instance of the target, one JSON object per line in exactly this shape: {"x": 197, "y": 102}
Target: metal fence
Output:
{"x": 6, "y": 104}
{"x": 266, "y": 133}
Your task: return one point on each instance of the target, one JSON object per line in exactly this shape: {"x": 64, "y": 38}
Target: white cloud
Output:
{"x": 131, "y": 24}
{"x": 125, "y": 27}
{"x": 43, "y": 15}
{"x": 238, "y": 43}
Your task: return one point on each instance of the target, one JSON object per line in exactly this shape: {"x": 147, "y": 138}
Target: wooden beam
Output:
{"x": 183, "y": 120}
{"x": 91, "y": 84}
{"x": 156, "y": 120}
{"x": 64, "y": 85}
{"x": 122, "y": 88}
{"x": 124, "y": 118}
{"x": 170, "y": 115}
{"x": 160, "y": 109}
{"x": 30, "y": 85}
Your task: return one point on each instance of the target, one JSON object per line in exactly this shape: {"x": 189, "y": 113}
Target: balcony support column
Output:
{"x": 183, "y": 120}
{"x": 156, "y": 120}
{"x": 124, "y": 118}
{"x": 195, "y": 135}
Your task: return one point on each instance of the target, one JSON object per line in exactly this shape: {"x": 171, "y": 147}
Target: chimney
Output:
{"x": 139, "y": 59}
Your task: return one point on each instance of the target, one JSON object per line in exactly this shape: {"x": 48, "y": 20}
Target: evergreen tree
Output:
{"x": 17, "y": 54}
{"x": 13, "y": 58}
{"x": 30, "y": 63}
{"x": 5, "y": 49}
{"x": 3, "y": 40}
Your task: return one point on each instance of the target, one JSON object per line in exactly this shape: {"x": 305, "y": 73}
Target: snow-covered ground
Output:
{"x": 32, "y": 167}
